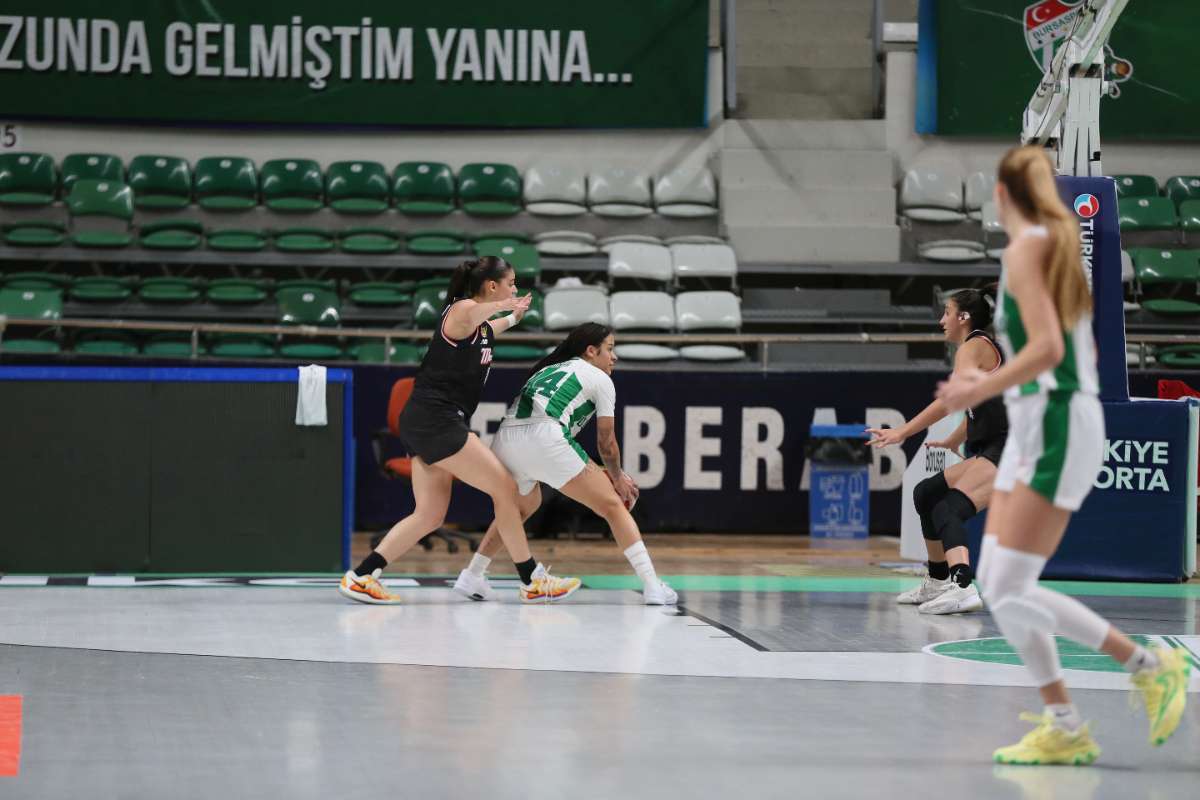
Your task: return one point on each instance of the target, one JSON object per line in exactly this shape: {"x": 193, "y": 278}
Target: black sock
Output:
{"x": 939, "y": 570}
{"x": 525, "y": 570}
{"x": 961, "y": 574}
{"x": 370, "y": 564}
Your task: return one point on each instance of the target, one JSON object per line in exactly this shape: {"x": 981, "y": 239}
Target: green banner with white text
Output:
{"x": 478, "y": 63}
{"x": 991, "y": 55}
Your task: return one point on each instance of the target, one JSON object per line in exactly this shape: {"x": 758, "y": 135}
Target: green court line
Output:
{"x": 998, "y": 651}
{"x": 748, "y": 583}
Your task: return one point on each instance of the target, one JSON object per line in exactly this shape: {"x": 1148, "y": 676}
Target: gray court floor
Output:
{"x": 292, "y": 692}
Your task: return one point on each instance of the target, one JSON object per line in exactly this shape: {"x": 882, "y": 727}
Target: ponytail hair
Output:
{"x": 979, "y": 303}
{"x": 581, "y": 337}
{"x": 469, "y": 276}
{"x": 1028, "y": 176}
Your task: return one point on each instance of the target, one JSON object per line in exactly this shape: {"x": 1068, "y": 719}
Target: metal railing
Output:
{"x": 762, "y": 341}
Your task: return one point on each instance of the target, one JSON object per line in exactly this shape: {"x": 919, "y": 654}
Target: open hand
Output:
{"x": 886, "y": 437}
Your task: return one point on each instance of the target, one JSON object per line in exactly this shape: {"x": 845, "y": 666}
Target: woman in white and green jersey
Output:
{"x": 1054, "y": 451}
{"x": 536, "y": 442}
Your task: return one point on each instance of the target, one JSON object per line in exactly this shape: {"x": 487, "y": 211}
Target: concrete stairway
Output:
{"x": 804, "y": 59}
{"x": 802, "y": 191}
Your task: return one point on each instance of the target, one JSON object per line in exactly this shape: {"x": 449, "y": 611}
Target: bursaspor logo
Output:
{"x": 1087, "y": 205}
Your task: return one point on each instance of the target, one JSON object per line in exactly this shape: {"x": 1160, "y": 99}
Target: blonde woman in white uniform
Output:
{"x": 1054, "y": 451}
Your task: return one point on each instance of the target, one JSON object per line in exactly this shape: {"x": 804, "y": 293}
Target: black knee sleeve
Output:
{"x": 950, "y": 518}
{"x": 926, "y": 495}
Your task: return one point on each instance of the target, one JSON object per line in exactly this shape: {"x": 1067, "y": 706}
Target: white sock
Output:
{"x": 1141, "y": 659}
{"x": 479, "y": 564}
{"x": 639, "y": 559}
{"x": 1066, "y": 716}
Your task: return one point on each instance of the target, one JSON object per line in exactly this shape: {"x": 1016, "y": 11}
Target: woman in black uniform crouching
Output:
{"x": 947, "y": 500}
{"x": 435, "y": 427}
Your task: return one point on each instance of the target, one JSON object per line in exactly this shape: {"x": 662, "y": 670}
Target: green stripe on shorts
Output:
{"x": 1056, "y": 433}
{"x": 575, "y": 445}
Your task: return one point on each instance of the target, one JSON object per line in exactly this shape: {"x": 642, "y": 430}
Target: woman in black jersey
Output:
{"x": 434, "y": 427}
{"x": 947, "y": 500}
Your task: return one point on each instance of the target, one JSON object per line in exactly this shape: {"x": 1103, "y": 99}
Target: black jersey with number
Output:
{"x": 454, "y": 371}
{"x": 988, "y": 421}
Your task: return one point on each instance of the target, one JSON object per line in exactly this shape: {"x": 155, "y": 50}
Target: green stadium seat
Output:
{"x": 536, "y": 315}
{"x": 1177, "y": 270}
{"x": 429, "y": 298}
{"x": 423, "y": 187}
{"x": 237, "y": 240}
{"x": 90, "y": 166}
{"x": 1171, "y": 306}
{"x": 304, "y": 240}
{"x": 1187, "y": 356}
{"x": 358, "y": 187}
{"x": 401, "y": 352}
{"x": 292, "y": 185}
{"x": 106, "y": 343}
{"x": 1135, "y": 186}
{"x": 1189, "y": 216}
{"x": 308, "y": 303}
{"x": 226, "y": 183}
{"x": 100, "y": 289}
{"x": 109, "y": 203}
{"x": 369, "y": 241}
{"x": 237, "y": 291}
{"x": 517, "y": 352}
{"x": 381, "y": 294}
{"x": 1147, "y": 214}
{"x": 35, "y": 280}
{"x": 526, "y": 262}
{"x": 178, "y": 234}
{"x": 490, "y": 190}
{"x": 39, "y": 233}
{"x": 311, "y": 350}
{"x": 160, "y": 182}
{"x": 27, "y": 179}
{"x": 30, "y": 346}
{"x": 497, "y": 239}
{"x": 169, "y": 290}
{"x": 1154, "y": 266}
{"x": 172, "y": 345}
{"x": 31, "y": 303}
{"x": 1182, "y": 187}
{"x": 240, "y": 345}
{"x": 442, "y": 243}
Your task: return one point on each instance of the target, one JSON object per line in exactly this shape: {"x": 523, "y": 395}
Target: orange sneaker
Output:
{"x": 546, "y": 588}
{"x": 367, "y": 589}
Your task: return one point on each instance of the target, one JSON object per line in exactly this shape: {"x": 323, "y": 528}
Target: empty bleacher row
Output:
{"x": 230, "y": 204}
{"x": 937, "y": 200}
{"x": 653, "y": 271}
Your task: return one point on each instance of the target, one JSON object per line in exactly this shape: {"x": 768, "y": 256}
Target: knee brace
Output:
{"x": 1012, "y": 595}
{"x": 926, "y": 495}
{"x": 950, "y": 517}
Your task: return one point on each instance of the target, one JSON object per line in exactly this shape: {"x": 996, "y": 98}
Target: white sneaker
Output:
{"x": 660, "y": 595}
{"x": 474, "y": 587}
{"x": 929, "y": 589}
{"x": 955, "y": 600}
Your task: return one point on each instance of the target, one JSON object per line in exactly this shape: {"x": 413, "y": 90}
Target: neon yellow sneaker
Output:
{"x": 1047, "y": 744}
{"x": 546, "y": 588}
{"x": 367, "y": 589}
{"x": 1164, "y": 692}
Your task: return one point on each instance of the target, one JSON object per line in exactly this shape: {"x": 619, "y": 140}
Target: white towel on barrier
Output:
{"x": 310, "y": 400}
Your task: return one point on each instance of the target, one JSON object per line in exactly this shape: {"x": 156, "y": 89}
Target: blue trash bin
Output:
{"x": 839, "y": 499}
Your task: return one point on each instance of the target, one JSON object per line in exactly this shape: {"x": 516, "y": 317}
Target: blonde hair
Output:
{"x": 1028, "y": 176}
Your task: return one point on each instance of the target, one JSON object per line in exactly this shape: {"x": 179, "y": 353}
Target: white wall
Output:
{"x": 656, "y": 149}
{"x": 1162, "y": 160}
